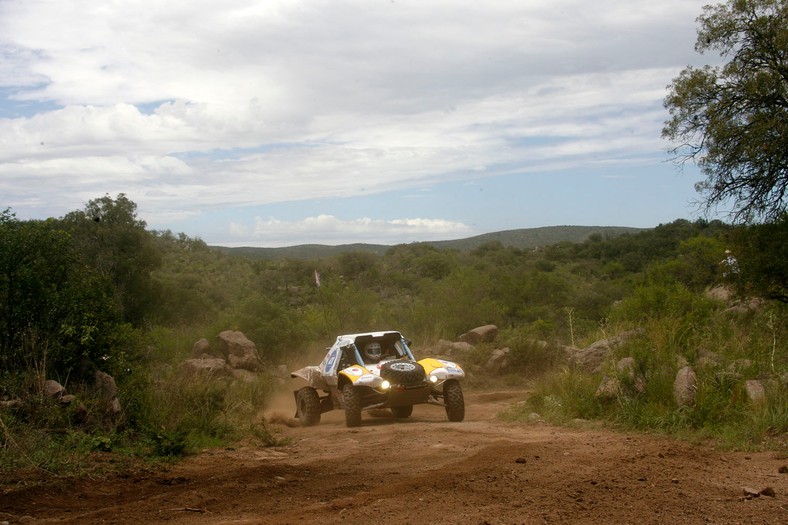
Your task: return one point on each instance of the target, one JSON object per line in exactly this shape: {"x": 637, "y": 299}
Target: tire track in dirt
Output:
{"x": 427, "y": 470}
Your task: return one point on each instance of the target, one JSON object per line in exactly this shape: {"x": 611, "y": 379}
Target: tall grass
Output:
{"x": 725, "y": 348}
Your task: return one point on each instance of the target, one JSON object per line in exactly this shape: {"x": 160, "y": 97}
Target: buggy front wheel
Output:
{"x": 352, "y": 406}
{"x": 454, "y": 401}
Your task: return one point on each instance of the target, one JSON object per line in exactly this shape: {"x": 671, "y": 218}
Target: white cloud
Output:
{"x": 328, "y": 229}
{"x": 190, "y": 106}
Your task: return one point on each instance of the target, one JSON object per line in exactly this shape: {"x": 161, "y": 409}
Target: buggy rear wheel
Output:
{"x": 308, "y": 406}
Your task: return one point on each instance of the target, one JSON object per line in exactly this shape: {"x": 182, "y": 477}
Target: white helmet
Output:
{"x": 373, "y": 351}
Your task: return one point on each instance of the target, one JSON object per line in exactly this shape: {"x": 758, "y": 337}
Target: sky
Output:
{"x": 281, "y": 122}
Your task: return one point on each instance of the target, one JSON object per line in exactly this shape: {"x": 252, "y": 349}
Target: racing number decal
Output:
{"x": 330, "y": 363}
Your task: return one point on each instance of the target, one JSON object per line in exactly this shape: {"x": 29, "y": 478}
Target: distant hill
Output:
{"x": 526, "y": 238}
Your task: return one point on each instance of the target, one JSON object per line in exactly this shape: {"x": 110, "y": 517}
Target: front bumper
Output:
{"x": 398, "y": 396}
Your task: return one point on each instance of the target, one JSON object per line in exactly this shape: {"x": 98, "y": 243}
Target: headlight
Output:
{"x": 385, "y": 385}
{"x": 434, "y": 379}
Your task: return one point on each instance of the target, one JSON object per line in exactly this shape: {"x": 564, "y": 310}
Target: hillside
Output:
{"x": 524, "y": 238}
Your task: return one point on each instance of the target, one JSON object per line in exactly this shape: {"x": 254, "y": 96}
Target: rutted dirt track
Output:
{"x": 425, "y": 470}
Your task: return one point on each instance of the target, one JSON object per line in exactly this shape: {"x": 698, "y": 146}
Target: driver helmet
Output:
{"x": 373, "y": 351}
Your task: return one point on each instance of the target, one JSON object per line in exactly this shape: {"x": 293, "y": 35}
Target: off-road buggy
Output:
{"x": 376, "y": 370}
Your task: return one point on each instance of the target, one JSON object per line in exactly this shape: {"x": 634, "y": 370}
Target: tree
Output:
{"x": 53, "y": 310}
{"x": 761, "y": 252}
{"x": 732, "y": 120}
{"x": 112, "y": 240}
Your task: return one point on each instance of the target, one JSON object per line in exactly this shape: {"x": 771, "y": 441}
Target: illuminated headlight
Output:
{"x": 385, "y": 385}
{"x": 434, "y": 379}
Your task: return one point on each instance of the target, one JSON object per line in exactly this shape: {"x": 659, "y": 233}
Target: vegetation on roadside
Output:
{"x": 68, "y": 313}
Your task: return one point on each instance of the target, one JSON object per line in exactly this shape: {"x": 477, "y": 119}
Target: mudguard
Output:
{"x": 360, "y": 376}
{"x": 442, "y": 369}
{"x": 313, "y": 377}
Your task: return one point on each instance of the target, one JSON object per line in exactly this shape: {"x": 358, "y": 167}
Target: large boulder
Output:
{"x": 593, "y": 357}
{"x": 239, "y": 351}
{"x": 480, "y": 334}
{"x": 685, "y": 386}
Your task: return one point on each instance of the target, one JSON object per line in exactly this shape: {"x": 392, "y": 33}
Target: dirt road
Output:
{"x": 425, "y": 470}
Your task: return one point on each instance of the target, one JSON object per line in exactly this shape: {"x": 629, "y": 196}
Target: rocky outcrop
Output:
{"x": 625, "y": 380}
{"x": 240, "y": 359}
{"x": 591, "y": 358}
{"x": 239, "y": 351}
{"x": 481, "y": 334}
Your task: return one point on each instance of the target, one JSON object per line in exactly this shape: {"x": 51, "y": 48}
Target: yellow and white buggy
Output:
{"x": 376, "y": 370}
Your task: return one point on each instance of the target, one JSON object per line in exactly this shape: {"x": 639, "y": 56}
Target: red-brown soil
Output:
{"x": 425, "y": 470}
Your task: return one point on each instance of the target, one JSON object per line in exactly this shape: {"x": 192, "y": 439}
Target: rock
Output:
{"x": 105, "y": 385}
{"x": 608, "y": 389}
{"x": 480, "y": 334}
{"x": 213, "y": 366}
{"x": 719, "y": 293}
{"x": 243, "y": 375}
{"x": 67, "y": 399}
{"x": 249, "y": 362}
{"x": 201, "y": 347}
{"x": 685, "y": 386}
{"x": 613, "y": 387}
{"x": 746, "y": 306}
{"x": 755, "y": 391}
{"x": 592, "y": 357}
{"x": 767, "y": 491}
{"x": 108, "y": 392}
{"x": 750, "y": 492}
{"x": 498, "y": 361}
{"x": 53, "y": 389}
{"x": 239, "y": 351}
{"x": 626, "y": 366}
